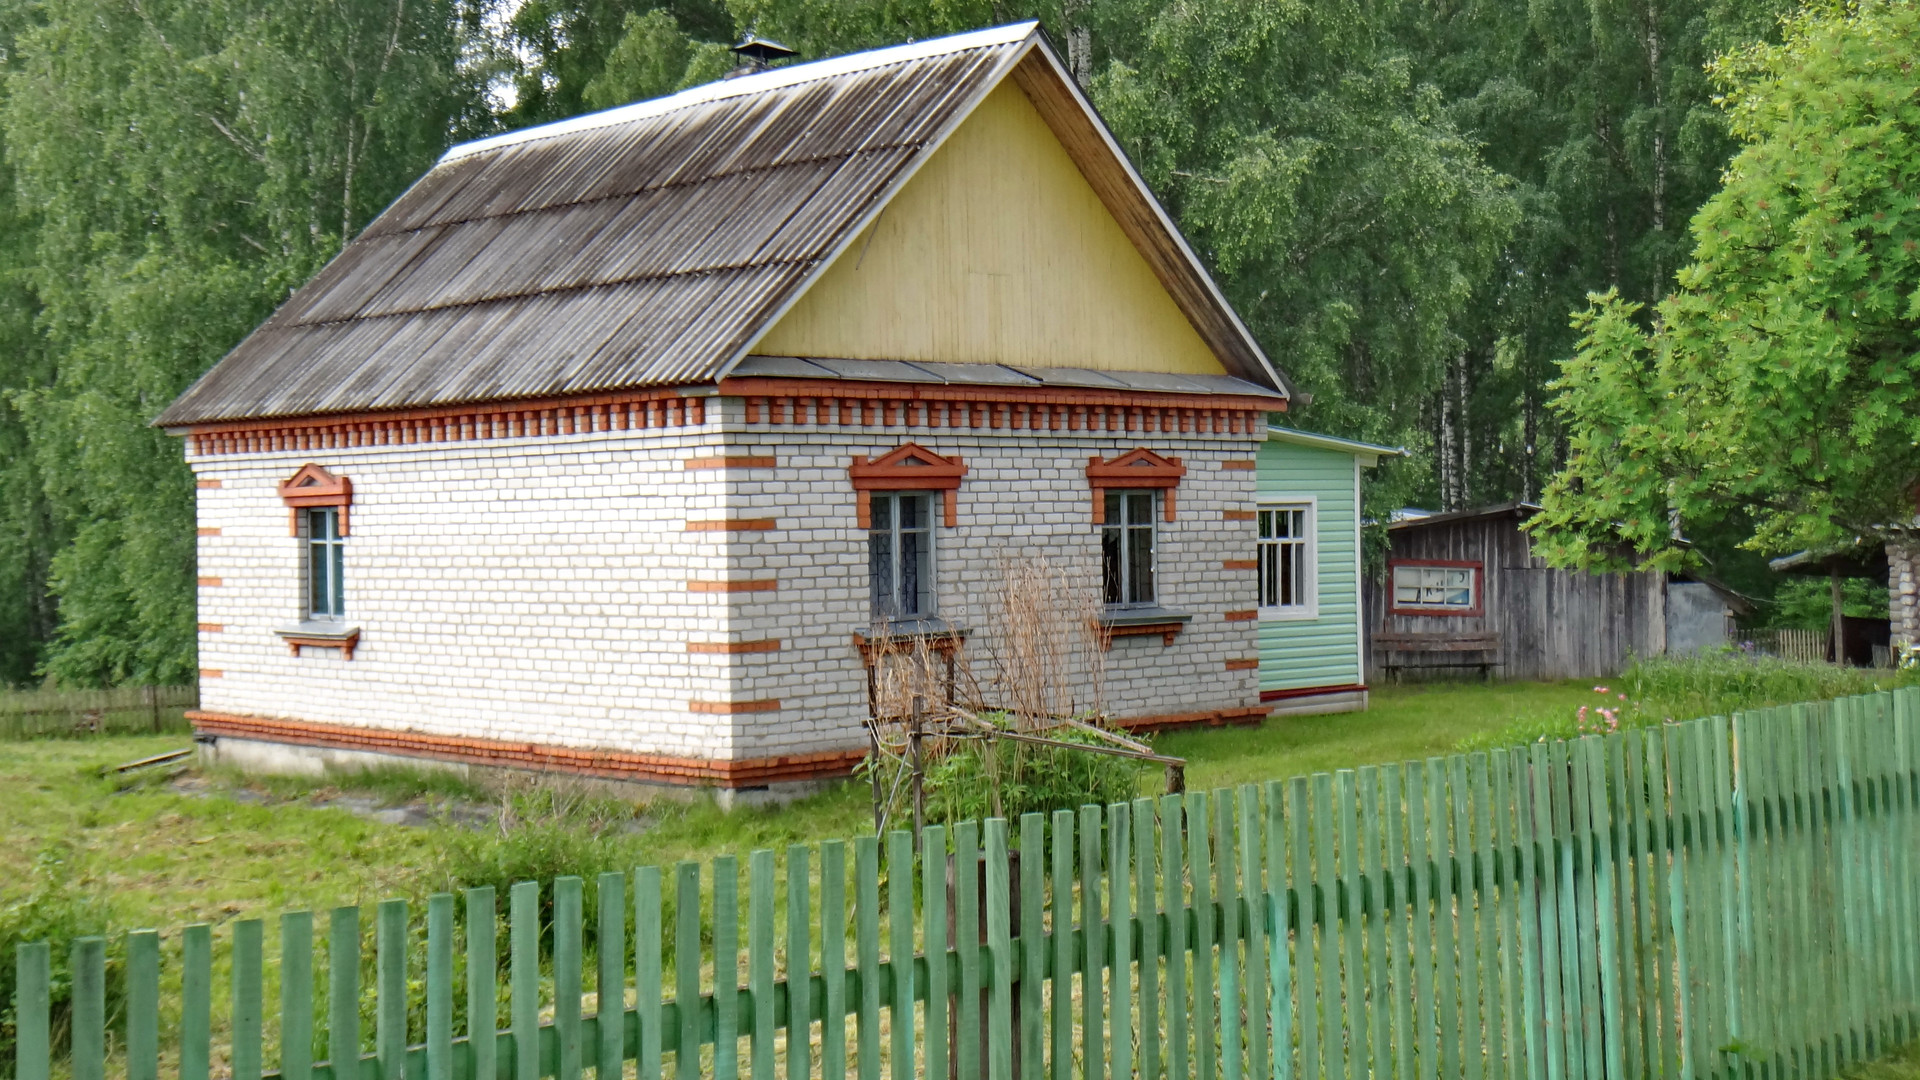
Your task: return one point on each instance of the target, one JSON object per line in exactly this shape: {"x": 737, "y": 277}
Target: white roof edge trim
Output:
{"x": 881, "y": 201}
{"x": 1332, "y": 442}
{"x": 775, "y": 79}
{"x": 1166, "y": 223}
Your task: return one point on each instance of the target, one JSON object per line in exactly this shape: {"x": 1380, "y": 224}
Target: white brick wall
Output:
{"x": 536, "y": 589}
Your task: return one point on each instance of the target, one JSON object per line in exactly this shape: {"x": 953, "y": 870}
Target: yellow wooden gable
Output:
{"x": 997, "y": 251}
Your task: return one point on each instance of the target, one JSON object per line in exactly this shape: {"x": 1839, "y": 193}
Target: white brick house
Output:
{"x": 599, "y": 447}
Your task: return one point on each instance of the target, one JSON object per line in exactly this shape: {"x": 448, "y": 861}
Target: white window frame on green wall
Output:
{"x": 1269, "y": 546}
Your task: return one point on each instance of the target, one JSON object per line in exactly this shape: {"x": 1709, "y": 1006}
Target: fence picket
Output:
{"x": 439, "y": 988}
{"x": 143, "y": 1005}
{"x": 1256, "y": 968}
{"x": 1374, "y": 913}
{"x": 1347, "y": 844}
{"x": 1427, "y": 1054}
{"x": 609, "y": 972}
{"x": 1147, "y": 907}
{"x": 1120, "y": 966}
{"x": 686, "y": 966}
{"x": 1000, "y": 956}
{"x": 33, "y": 1044}
{"x": 648, "y": 1046}
{"x": 1061, "y": 1000}
{"x": 1327, "y": 947}
{"x": 1400, "y": 905}
{"x": 523, "y": 977}
{"x": 866, "y": 905}
{"x": 726, "y": 974}
{"x": 1227, "y": 890}
{"x": 799, "y": 1014}
{"x": 900, "y": 951}
{"x": 390, "y": 989}
{"x": 966, "y": 943}
{"x": 759, "y": 963}
{"x": 246, "y": 1017}
{"x": 833, "y": 961}
{"x": 296, "y": 996}
{"x": 1200, "y": 961}
{"x": 1092, "y": 954}
{"x": 1486, "y": 907}
{"x": 1033, "y": 953}
{"x": 196, "y": 1004}
{"x": 1466, "y": 922}
{"x": 88, "y": 1032}
{"x": 933, "y": 853}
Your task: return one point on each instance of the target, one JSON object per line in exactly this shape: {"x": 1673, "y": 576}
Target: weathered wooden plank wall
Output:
{"x": 1552, "y": 623}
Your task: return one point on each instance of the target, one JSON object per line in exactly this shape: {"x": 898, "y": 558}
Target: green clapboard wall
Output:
{"x": 1322, "y": 651}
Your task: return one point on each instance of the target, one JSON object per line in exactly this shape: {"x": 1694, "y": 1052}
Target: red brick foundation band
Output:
{"x": 608, "y": 764}
{"x": 1310, "y": 691}
{"x": 1243, "y": 714}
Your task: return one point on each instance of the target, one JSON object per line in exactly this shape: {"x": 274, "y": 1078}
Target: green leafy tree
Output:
{"x": 1781, "y": 381}
{"x": 189, "y": 163}
{"x": 653, "y": 59}
{"x": 566, "y": 46}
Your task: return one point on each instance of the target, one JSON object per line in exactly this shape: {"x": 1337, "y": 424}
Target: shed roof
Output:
{"x": 1521, "y": 510}
{"x": 652, "y": 244}
{"x": 1369, "y": 452}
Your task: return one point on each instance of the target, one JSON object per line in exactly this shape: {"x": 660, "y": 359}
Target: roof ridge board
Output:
{"x": 949, "y": 122}
{"x": 776, "y": 79}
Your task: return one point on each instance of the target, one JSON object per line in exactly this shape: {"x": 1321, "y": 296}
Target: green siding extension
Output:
{"x": 1300, "y": 653}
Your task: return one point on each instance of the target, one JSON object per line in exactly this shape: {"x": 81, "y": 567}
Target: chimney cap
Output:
{"x": 753, "y": 47}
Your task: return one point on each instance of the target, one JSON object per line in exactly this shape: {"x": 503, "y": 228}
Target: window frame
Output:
{"x": 1152, "y": 525}
{"x": 326, "y": 554}
{"x": 1309, "y": 542}
{"x": 1478, "y": 579}
{"x": 930, "y": 586}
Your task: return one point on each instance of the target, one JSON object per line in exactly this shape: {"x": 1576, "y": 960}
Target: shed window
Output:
{"x": 1287, "y": 570}
{"x": 1127, "y": 541}
{"x": 1436, "y": 588}
{"x": 326, "y": 563}
{"x": 900, "y": 554}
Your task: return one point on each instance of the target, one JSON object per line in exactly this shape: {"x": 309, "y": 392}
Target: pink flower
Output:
{"x": 1601, "y": 690}
{"x": 1623, "y": 697}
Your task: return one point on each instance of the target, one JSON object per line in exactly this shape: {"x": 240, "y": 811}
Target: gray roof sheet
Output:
{"x": 643, "y": 246}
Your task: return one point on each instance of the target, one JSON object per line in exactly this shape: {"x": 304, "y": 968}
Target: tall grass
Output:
{"x": 1661, "y": 690}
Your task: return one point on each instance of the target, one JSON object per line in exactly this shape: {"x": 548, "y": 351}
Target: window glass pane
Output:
{"x": 880, "y": 568}
{"x": 913, "y": 511}
{"x": 1116, "y": 512}
{"x": 1140, "y": 508}
{"x": 1110, "y": 559}
{"x": 317, "y": 590}
{"x": 882, "y": 507}
{"x": 915, "y": 571}
{"x": 339, "y": 607}
{"x": 1140, "y": 565}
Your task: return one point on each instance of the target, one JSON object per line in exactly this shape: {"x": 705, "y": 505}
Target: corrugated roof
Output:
{"x": 642, "y": 246}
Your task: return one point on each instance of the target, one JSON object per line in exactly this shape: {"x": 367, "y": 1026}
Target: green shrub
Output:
{"x": 962, "y": 782}
{"x": 55, "y": 910}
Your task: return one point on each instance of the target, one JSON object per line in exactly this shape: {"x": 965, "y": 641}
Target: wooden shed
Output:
{"x": 1464, "y": 591}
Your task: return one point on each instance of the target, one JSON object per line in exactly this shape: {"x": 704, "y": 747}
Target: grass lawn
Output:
{"x": 161, "y": 857}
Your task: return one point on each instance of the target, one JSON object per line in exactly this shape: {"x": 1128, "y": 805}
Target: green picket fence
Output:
{"x": 1715, "y": 898}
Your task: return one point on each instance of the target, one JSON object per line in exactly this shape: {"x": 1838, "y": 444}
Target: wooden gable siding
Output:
{"x": 1551, "y": 623}
{"x": 1298, "y": 654}
{"x": 999, "y": 252}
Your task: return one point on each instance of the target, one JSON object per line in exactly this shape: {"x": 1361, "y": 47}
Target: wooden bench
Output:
{"x": 1399, "y": 651}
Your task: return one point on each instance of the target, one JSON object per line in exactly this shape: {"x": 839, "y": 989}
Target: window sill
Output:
{"x": 898, "y": 635}
{"x": 1141, "y": 622}
{"x": 1289, "y": 614}
{"x": 320, "y": 634}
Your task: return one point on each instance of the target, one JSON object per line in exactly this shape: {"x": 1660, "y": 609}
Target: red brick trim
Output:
{"x": 206, "y": 531}
{"x": 733, "y": 648}
{"x": 1236, "y": 515}
{"x": 315, "y": 486}
{"x": 623, "y": 411}
{"x": 1244, "y": 665}
{"x": 1137, "y": 468}
{"x": 745, "y": 462}
{"x": 765, "y": 585}
{"x": 798, "y": 402}
{"x": 733, "y": 708}
{"x": 609, "y": 764}
{"x": 1240, "y": 564}
{"x": 211, "y": 628}
{"x": 731, "y": 525}
{"x": 206, "y": 485}
{"x": 1239, "y": 466}
{"x": 1310, "y": 691}
{"x": 1240, "y": 714}
{"x": 908, "y": 467}
{"x": 209, "y": 673}
{"x": 209, "y": 582}
{"x": 1242, "y": 616}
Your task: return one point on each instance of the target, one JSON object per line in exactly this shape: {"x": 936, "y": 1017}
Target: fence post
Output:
{"x": 143, "y": 1005}
{"x": 89, "y": 960}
